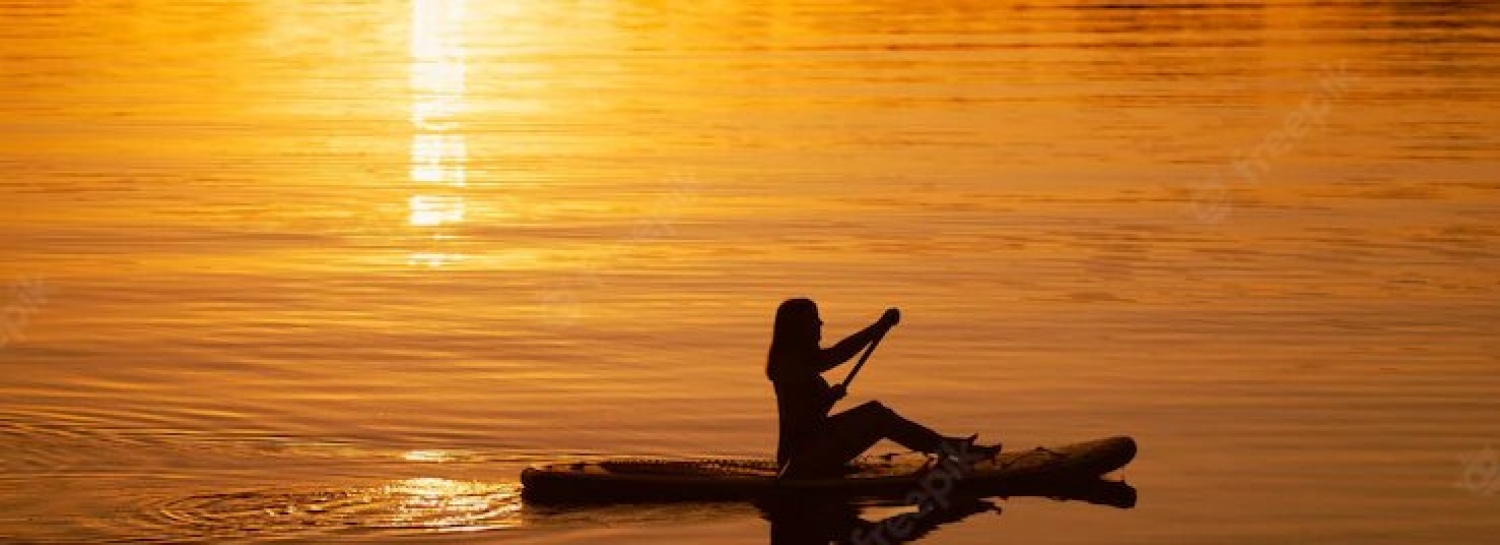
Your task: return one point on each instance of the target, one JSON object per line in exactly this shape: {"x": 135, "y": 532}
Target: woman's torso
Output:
{"x": 800, "y": 400}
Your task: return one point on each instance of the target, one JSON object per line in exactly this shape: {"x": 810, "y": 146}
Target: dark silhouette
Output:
{"x": 815, "y": 520}
{"x": 820, "y": 522}
{"x": 811, "y": 442}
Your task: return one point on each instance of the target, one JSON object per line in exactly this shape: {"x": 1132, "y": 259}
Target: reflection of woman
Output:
{"x": 819, "y": 522}
{"x": 812, "y": 443}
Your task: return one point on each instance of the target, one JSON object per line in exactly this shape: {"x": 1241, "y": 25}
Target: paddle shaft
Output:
{"x": 864, "y": 357}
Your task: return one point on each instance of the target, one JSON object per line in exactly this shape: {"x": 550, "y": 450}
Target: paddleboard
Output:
{"x": 896, "y": 475}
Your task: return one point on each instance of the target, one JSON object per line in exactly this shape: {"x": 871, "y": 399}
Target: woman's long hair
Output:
{"x": 792, "y": 332}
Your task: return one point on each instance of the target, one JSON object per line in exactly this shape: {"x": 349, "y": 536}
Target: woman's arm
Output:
{"x": 845, "y": 350}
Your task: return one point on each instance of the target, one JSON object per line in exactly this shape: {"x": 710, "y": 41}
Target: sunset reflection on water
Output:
{"x": 371, "y": 258}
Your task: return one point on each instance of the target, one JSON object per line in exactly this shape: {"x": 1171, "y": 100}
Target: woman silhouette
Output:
{"x": 811, "y": 442}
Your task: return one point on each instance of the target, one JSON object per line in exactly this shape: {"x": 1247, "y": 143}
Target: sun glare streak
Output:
{"x": 426, "y": 456}
{"x": 438, "y": 158}
{"x": 452, "y": 506}
{"x": 439, "y": 151}
{"x": 435, "y": 210}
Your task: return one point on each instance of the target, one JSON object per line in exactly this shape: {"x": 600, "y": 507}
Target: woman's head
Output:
{"x": 797, "y": 324}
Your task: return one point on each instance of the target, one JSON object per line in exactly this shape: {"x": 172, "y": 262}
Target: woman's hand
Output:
{"x": 891, "y": 317}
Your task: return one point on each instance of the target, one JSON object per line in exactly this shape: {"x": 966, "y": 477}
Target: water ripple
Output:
{"x": 416, "y": 505}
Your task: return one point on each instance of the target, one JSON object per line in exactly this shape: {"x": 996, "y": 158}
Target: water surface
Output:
{"x": 339, "y": 270}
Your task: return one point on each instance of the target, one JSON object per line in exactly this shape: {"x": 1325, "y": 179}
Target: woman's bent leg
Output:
{"x": 848, "y": 434}
{"x": 889, "y": 425}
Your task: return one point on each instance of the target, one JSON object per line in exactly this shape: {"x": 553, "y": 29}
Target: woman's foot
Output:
{"x": 988, "y": 451}
{"x": 954, "y": 447}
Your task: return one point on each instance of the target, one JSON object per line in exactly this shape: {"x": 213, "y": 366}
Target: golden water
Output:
{"x": 321, "y": 271}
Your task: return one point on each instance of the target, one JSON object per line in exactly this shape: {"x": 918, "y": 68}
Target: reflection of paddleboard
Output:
{"x": 892, "y": 475}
